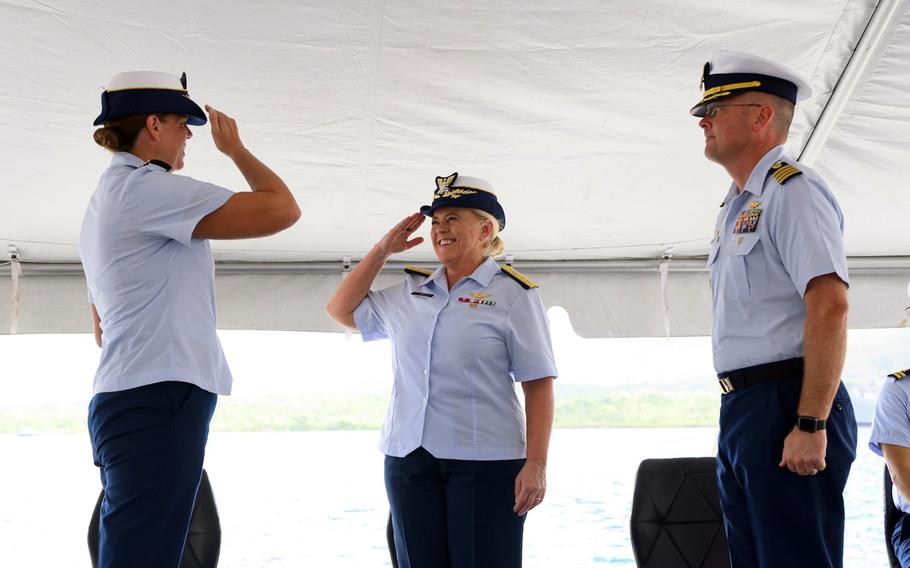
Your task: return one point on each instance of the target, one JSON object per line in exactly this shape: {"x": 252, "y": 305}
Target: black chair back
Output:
{"x": 892, "y": 514}
{"x": 203, "y": 542}
{"x": 676, "y": 517}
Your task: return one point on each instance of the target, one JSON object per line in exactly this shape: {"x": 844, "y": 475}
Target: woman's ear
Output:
{"x": 153, "y": 123}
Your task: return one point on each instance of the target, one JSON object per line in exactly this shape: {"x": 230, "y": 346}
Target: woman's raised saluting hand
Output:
{"x": 398, "y": 238}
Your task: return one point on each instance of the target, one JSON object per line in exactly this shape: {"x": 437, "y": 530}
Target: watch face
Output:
{"x": 809, "y": 424}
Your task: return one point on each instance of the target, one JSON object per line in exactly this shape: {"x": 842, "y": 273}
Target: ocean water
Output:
{"x": 293, "y": 499}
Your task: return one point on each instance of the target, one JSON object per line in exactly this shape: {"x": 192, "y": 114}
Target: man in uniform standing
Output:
{"x": 779, "y": 288}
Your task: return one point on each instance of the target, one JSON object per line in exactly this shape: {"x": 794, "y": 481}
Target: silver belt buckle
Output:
{"x": 726, "y": 385}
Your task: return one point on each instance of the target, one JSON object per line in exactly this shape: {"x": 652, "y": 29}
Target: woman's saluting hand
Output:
{"x": 398, "y": 238}
{"x": 225, "y": 133}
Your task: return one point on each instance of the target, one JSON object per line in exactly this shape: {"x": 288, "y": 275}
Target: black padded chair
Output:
{"x": 676, "y": 517}
{"x": 892, "y": 514}
{"x": 203, "y": 542}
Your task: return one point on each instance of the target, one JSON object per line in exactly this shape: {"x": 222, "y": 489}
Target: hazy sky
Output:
{"x": 59, "y": 368}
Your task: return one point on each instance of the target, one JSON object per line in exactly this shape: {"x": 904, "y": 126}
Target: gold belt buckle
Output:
{"x": 726, "y": 385}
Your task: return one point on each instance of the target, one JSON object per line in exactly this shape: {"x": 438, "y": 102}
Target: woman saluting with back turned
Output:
{"x": 150, "y": 275}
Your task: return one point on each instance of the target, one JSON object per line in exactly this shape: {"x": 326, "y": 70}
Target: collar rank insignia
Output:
{"x": 898, "y": 375}
{"x": 525, "y": 282}
{"x": 784, "y": 172}
{"x": 477, "y": 299}
{"x": 163, "y": 165}
{"x": 418, "y": 271}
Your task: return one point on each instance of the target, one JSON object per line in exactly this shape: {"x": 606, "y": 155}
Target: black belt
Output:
{"x": 758, "y": 374}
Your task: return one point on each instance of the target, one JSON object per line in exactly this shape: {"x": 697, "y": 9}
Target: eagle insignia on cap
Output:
{"x": 444, "y": 188}
{"x": 704, "y": 73}
{"x": 444, "y": 183}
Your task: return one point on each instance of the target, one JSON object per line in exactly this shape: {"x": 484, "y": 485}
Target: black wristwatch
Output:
{"x": 809, "y": 424}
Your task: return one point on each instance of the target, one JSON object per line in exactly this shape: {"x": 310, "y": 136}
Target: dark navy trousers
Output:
{"x": 454, "y": 513}
{"x": 775, "y": 518}
{"x": 900, "y": 539}
{"x": 149, "y": 443}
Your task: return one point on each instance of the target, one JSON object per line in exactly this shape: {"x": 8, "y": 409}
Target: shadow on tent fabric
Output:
{"x": 676, "y": 517}
{"x": 203, "y": 542}
{"x": 892, "y": 514}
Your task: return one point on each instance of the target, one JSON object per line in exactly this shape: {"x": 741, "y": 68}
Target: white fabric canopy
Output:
{"x": 576, "y": 111}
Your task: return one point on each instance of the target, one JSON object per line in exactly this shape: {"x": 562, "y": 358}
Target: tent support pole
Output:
{"x": 881, "y": 25}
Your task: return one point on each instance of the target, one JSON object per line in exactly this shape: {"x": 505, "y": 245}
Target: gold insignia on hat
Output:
{"x": 443, "y": 183}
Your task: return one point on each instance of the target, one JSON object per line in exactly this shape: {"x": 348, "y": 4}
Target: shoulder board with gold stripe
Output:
{"x": 525, "y": 282}
{"x": 898, "y": 375}
{"x": 418, "y": 271}
{"x": 783, "y": 172}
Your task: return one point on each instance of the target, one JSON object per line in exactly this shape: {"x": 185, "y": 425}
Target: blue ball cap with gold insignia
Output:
{"x": 462, "y": 191}
{"x": 148, "y": 92}
{"x": 731, "y": 73}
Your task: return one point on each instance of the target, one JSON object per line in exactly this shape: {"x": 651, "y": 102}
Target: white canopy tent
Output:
{"x": 575, "y": 110}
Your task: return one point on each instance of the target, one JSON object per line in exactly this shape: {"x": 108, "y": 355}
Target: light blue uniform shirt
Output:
{"x": 456, "y": 356}
{"x": 151, "y": 282}
{"x": 759, "y": 278}
{"x": 891, "y": 424}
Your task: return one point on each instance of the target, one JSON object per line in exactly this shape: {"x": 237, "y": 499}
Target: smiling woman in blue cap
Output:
{"x": 150, "y": 275}
{"x": 462, "y": 464}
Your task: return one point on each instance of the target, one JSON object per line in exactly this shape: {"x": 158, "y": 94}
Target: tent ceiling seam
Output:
{"x": 879, "y": 27}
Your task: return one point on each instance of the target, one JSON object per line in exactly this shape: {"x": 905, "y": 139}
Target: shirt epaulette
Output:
{"x": 898, "y": 375}
{"x": 784, "y": 172}
{"x": 418, "y": 271}
{"x": 525, "y": 282}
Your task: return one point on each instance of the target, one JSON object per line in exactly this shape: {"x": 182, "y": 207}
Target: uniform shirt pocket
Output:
{"x": 748, "y": 279}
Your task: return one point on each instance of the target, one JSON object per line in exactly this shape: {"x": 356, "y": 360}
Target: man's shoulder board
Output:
{"x": 525, "y": 282}
{"x": 898, "y": 375}
{"x": 418, "y": 271}
{"x": 784, "y": 172}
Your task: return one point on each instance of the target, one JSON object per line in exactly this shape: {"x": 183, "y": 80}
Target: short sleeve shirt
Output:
{"x": 891, "y": 424}
{"x": 769, "y": 241}
{"x": 150, "y": 280}
{"x": 456, "y": 355}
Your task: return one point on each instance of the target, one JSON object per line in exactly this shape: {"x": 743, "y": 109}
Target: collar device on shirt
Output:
{"x": 165, "y": 166}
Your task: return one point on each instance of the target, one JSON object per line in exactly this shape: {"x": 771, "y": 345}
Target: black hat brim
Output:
{"x": 489, "y": 205}
{"x": 120, "y": 104}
